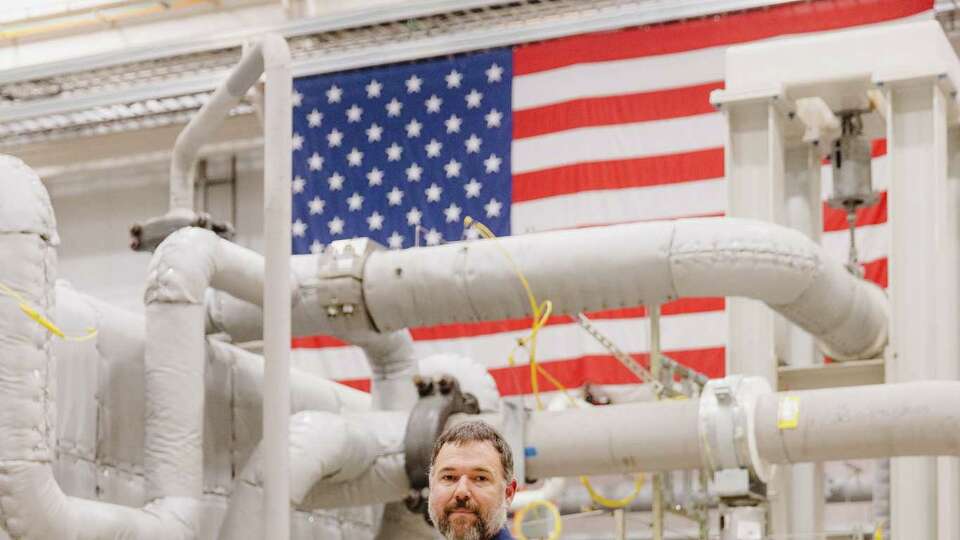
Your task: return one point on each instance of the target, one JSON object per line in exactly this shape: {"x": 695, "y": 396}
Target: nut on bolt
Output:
{"x": 424, "y": 386}
{"x": 445, "y": 384}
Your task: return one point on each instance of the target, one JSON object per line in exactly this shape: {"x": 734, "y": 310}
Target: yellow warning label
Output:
{"x": 789, "y": 414}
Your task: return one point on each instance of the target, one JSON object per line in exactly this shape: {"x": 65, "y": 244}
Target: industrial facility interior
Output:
{"x": 697, "y": 261}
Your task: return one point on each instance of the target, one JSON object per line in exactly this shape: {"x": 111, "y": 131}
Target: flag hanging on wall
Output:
{"x": 582, "y": 131}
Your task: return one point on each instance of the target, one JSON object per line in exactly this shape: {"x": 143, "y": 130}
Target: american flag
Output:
{"x": 581, "y": 131}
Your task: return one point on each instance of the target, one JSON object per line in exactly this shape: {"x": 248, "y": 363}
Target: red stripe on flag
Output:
{"x": 594, "y": 369}
{"x": 610, "y": 110}
{"x": 876, "y": 271}
{"x": 674, "y": 37}
{"x": 460, "y": 330}
{"x": 835, "y": 219}
{"x": 619, "y": 174}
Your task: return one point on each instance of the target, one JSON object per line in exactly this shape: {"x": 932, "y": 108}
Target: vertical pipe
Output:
{"x": 655, "y": 365}
{"x": 278, "y": 126}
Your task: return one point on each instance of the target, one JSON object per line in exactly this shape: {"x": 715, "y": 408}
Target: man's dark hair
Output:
{"x": 476, "y": 431}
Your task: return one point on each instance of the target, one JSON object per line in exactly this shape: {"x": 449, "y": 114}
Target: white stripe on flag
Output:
{"x": 621, "y": 141}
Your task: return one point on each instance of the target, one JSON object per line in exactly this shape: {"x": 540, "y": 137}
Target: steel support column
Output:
{"x": 922, "y": 293}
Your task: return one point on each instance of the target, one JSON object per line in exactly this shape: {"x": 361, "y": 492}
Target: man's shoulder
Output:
{"x": 504, "y": 534}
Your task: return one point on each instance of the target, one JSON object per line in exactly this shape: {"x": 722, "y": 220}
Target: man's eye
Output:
{"x": 481, "y": 478}
{"x": 449, "y": 478}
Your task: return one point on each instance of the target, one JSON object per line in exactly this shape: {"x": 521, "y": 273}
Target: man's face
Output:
{"x": 469, "y": 496}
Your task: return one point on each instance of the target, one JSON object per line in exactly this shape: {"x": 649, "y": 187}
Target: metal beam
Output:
{"x": 831, "y": 375}
{"x": 613, "y": 15}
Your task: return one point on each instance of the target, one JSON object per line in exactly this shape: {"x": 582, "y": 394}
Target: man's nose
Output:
{"x": 462, "y": 490}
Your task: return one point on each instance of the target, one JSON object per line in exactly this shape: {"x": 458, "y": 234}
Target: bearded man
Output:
{"x": 471, "y": 483}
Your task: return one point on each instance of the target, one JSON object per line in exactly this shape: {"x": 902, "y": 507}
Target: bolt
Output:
{"x": 332, "y": 311}
{"x": 446, "y": 384}
{"x": 424, "y": 386}
{"x": 348, "y": 309}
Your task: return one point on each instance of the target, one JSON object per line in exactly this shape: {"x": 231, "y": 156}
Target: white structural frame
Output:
{"x": 914, "y": 74}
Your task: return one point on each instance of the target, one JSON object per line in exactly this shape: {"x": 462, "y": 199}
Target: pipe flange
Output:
{"x": 439, "y": 399}
{"x": 727, "y": 424}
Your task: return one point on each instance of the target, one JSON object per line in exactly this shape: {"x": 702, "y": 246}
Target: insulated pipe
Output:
{"x": 862, "y": 422}
{"x": 330, "y": 454}
{"x": 628, "y": 265}
{"x": 842, "y": 423}
{"x": 32, "y": 505}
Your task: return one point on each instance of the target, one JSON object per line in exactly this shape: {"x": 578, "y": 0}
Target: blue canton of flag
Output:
{"x": 401, "y": 154}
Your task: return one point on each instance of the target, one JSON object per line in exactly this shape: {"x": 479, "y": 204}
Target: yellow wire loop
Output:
{"x": 541, "y": 314}
{"x": 614, "y": 503}
{"x": 542, "y": 503}
{"x": 38, "y": 317}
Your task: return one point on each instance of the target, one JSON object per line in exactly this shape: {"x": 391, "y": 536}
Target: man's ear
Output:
{"x": 511, "y": 490}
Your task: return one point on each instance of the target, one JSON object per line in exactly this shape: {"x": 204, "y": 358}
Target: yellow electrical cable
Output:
{"x": 541, "y": 313}
{"x": 544, "y": 503}
{"x": 37, "y": 317}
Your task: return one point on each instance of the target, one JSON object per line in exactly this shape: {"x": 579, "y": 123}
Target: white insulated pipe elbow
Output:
{"x": 628, "y": 265}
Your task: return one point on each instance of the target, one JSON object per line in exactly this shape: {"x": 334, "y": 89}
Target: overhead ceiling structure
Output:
{"x": 165, "y": 84}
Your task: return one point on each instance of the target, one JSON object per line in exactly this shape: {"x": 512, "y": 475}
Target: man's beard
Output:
{"x": 484, "y": 526}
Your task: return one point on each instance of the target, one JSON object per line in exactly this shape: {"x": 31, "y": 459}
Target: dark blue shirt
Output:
{"x": 504, "y": 534}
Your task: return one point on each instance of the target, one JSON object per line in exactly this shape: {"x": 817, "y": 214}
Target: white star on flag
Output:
{"x": 334, "y": 94}
{"x": 413, "y": 84}
{"x": 433, "y": 192}
{"x": 335, "y": 225}
{"x": 493, "y": 208}
{"x": 452, "y": 213}
{"x": 315, "y": 162}
{"x": 314, "y": 118}
{"x": 393, "y": 152}
{"x": 413, "y": 216}
{"x": 473, "y": 144}
{"x": 473, "y": 99}
{"x": 297, "y": 141}
{"x": 494, "y": 73}
{"x": 393, "y": 108}
{"x": 395, "y": 196}
{"x": 473, "y": 188}
{"x": 373, "y": 89}
{"x": 298, "y": 228}
{"x": 355, "y": 202}
{"x": 298, "y": 184}
{"x": 374, "y": 132}
{"x": 453, "y": 124}
{"x": 395, "y": 240}
{"x": 355, "y": 157}
{"x": 335, "y": 138}
{"x": 471, "y": 233}
{"x": 296, "y": 98}
{"x": 433, "y": 237}
{"x": 452, "y": 168}
{"x": 413, "y": 128}
{"x": 433, "y": 104}
{"x": 453, "y": 79}
{"x": 414, "y": 172}
{"x": 375, "y": 221}
{"x": 375, "y": 177}
{"x": 335, "y": 181}
{"x": 492, "y": 163}
{"x": 316, "y": 247}
{"x": 493, "y": 118}
{"x": 433, "y": 148}
{"x": 316, "y": 206}
{"x": 354, "y": 113}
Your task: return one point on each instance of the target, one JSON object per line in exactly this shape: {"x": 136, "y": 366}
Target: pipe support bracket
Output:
{"x": 727, "y": 419}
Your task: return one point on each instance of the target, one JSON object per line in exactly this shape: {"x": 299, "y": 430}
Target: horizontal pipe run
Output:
{"x": 861, "y": 422}
{"x": 630, "y": 265}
